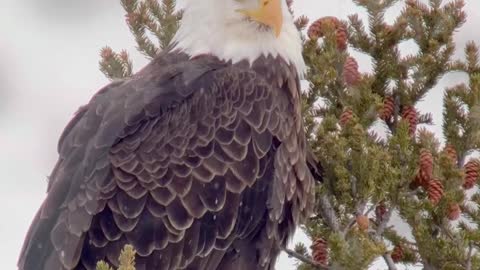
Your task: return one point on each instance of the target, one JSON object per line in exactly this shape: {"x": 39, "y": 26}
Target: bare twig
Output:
{"x": 396, "y": 113}
{"x": 469, "y": 257}
{"x": 328, "y": 213}
{"x": 304, "y": 259}
{"x": 389, "y": 261}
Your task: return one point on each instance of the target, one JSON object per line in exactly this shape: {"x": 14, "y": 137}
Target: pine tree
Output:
{"x": 368, "y": 178}
{"x": 407, "y": 174}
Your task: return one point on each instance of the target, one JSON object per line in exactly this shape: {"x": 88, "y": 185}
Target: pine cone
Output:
{"x": 346, "y": 116}
{"x": 419, "y": 181}
{"x": 453, "y": 212}
{"x": 350, "y": 71}
{"x": 472, "y": 169}
{"x": 317, "y": 30}
{"x": 380, "y": 211}
{"x": 320, "y": 251}
{"x": 425, "y": 172}
{"x": 410, "y": 115}
{"x": 363, "y": 222}
{"x": 435, "y": 191}
{"x": 388, "y": 108}
{"x": 397, "y": 254}
{"x": 426, "y": 165}
{"x": 451, "y": 153}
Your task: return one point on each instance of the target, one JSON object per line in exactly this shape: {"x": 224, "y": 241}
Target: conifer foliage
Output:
{"x": 406, "y": 174}
{"x": 152, "y": 23}
{"x": 368, "y": 179}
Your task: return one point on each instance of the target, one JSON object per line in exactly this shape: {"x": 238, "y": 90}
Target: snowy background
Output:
{"x": 49, "y": 67}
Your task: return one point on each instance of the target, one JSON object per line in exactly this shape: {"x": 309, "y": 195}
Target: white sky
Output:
{"x": 49, "y": 67}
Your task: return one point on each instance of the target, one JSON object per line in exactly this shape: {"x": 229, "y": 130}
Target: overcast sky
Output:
{"x": 49, "y": 67}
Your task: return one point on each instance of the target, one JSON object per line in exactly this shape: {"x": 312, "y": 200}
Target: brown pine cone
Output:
{"x": 426, "y": 165}
{"x": 435, "y": 191}
{"x": 425, "y": 171}
{"x": 380, "y": 211}
{"x": 397, "y": 254}
{"x": 451, "y": 153}
{"x": 420, "y": 180}
{"x": 471, "y": 169}
{"x": 388, "y": 108}
{"x": 317, "y": 30}
{"x": 410, "y": 115}
{"x": 363, "y": 222}
{"x": 320, "y": 251}
{"x": 346, "y": 116}
{"x": 351, "y": 75}
{"x": 453, "y": 212}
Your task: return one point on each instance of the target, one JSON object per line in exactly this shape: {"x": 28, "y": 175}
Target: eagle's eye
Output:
{"x": 265, "y": 12}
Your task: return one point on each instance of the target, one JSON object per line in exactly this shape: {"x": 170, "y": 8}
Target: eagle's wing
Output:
{"x": 178, "y": 161}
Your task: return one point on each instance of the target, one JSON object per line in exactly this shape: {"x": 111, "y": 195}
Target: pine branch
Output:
{"x": 115, "y": 65}
{"x": 126, "y": 260}
{"x": 304, "y": 259}
{"x": 145, "y": 18}
{"x": 389, "y": 261}
{"x": 328, "y": 213}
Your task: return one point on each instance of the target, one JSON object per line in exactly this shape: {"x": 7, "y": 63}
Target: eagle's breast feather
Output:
{"x": 192, "y": 161}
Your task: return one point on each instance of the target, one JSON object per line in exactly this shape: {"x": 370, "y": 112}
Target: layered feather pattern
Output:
{"x": 197, "y": 163}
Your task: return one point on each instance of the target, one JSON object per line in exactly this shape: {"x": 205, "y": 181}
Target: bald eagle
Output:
{"x": 198, "y": 161}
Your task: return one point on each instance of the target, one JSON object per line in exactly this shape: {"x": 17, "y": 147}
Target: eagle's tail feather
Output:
{"x": 38, "y": 248}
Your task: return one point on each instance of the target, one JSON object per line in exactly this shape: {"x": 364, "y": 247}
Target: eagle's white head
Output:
{"x": 239, "y": 30}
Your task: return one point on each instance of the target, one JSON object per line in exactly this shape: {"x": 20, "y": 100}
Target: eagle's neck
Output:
{"x": 236, "y": 41}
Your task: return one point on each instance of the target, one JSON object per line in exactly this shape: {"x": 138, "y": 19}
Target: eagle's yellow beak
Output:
{"x": 269, "y": 13}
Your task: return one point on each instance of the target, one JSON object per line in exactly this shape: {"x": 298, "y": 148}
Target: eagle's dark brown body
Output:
{"x": 199, "y": 164}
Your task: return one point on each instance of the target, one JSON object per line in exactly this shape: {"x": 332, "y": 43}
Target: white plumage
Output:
{"x": 215, "y": 27}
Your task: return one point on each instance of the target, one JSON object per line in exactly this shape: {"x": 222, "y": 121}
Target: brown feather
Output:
{"x": 197, "y": 163}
